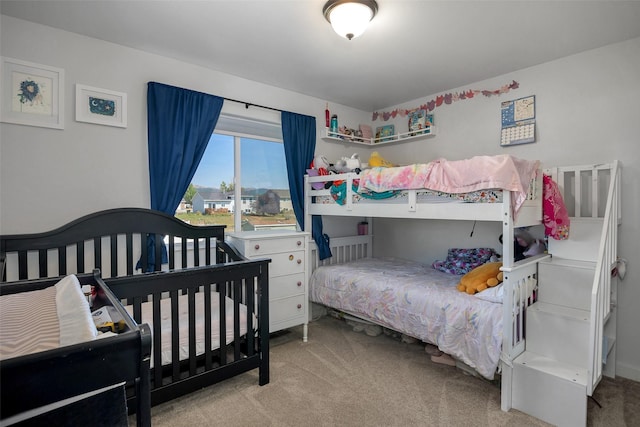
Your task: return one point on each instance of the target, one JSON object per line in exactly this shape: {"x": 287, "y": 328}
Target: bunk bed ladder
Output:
{"x": 570, "y": 330}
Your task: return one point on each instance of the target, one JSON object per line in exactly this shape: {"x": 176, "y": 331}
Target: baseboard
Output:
{"x": 628, "y": 371}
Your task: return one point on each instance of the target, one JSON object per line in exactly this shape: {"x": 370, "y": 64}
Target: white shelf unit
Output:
{"x": 394, "y": 139}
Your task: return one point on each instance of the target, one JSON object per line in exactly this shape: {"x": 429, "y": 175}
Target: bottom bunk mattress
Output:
{"x": 418, "y": 301}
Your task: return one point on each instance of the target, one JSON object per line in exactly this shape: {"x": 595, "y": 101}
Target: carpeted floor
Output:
{"x": 346, "y": 378}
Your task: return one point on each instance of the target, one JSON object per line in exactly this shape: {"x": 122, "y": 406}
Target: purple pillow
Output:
{"x": 315, "y": 185}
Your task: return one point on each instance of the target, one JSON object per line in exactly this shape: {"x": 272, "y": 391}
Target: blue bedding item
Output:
{"x": 339, "y": 193}
{"x": 461, "y": 261}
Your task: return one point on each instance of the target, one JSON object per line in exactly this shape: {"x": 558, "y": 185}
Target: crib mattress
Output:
{"x": 418, "y": 301}
{"x": 183, "y": 310}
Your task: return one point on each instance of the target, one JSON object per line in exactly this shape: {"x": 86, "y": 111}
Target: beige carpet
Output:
{"x": 346, "y": 378}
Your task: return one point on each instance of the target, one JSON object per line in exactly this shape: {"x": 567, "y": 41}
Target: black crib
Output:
{"x": 146, "y": 256}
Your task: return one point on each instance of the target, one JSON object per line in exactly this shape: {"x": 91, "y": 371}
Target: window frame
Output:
{"x": 240, "y": 127}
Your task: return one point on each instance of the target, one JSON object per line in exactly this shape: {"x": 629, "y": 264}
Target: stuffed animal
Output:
{"x": 319, "y": 166}
{"x": 347, "y": 164}
{"x": 481, "y": 278}
{"x": 536, "y": 247}
{"x": 525, "y": 245}
{"x": 376, "y": 160}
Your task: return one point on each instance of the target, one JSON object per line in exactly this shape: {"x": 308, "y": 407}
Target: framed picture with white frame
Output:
{"x": 32, "y": 94}
{"x": 101, "y": 106}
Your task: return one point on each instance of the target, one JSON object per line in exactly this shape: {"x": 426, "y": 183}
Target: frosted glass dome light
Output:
{"x": 349, "y": 18}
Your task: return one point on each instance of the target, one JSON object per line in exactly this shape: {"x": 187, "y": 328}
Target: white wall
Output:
{"x": 49, "y": 177}
{"x": 587, "y": 111}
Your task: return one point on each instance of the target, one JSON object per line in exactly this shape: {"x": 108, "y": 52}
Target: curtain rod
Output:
{"x": 249, "y": 104}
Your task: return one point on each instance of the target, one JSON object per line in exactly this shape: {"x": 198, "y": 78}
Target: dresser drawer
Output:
{"x": 287, "y": 263}
{"x": 263, "y": 247}
{"x": 286, "y": 308}
{"x": 286, "y": 286}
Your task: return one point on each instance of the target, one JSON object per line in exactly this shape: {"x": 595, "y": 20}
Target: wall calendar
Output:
{"x": 518, "y": 121}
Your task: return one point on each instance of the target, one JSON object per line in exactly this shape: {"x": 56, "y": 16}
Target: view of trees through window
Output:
{"x": 261, "y": 200}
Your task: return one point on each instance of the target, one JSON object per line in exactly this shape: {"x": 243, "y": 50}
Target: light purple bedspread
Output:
{"x": 418, "y": 301}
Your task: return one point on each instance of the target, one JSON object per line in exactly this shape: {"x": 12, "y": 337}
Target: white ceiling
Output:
{"x": 411, "y": 49}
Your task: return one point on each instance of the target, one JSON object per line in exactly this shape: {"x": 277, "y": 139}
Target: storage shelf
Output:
{"x": 394, "y": 139}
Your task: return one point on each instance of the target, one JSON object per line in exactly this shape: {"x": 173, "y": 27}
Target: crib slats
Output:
{"x": 184, "y": 252}
{"x": 251, "y": 308}
{"x": 208, "y": 355}
{"x": 22, "y": 267}
{"x": 175, "y": 338}
{"x": 97, "y": 253}
{"x": 157, "y": 256}
{"x": 43, "y": 262}
{"x": 196, "y": 252}
{"x": 144, "y": 252}
{"x": 157, "y": 339}
{"x": 116, "y": 252}
{"x": 114, "y": 255}
{"x": 171, "y": 253}
{"x": 207, "y": 250}
{"x": 191, "y": 299}
{"x": 80, "y": 257}
{"x": 236, "y": 318}
{"x": 129, "y": 249}
{"x": 222, "y": 303}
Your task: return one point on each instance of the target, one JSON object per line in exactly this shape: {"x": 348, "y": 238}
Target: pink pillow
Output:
{"x": 555, "y": 217}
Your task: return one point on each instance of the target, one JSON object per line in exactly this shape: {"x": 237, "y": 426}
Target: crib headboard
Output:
{"x": 122, "y": 241}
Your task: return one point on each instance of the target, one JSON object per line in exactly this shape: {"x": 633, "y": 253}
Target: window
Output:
{"x": 241, "y": 180}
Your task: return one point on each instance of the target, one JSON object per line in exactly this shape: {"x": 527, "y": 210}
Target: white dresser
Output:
{"x": 288, "y": 273}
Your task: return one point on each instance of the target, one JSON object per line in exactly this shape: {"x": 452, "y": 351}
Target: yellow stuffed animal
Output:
{"x": 481, "y": 278}
{"x": 376, "y": 160}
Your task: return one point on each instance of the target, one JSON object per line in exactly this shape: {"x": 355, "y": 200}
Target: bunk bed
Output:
{"x": 358, "y": 285}
{"x": 205, "y": 305}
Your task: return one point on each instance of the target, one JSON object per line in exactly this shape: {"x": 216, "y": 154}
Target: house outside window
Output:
{"x": 241, "y": 180}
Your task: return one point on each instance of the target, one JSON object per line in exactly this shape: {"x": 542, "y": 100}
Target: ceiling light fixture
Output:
{"x": 349, "y": 18}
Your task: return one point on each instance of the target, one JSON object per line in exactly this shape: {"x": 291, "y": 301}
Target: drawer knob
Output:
{"x": 299, "y": 242}
{"x": 299, "y": 284}
{"x": 299, "y": 261}
{"x": 256, "y": 247}
{"x": 299, "y": 306}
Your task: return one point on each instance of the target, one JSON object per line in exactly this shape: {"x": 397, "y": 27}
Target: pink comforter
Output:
{"x": 503, "y": 172}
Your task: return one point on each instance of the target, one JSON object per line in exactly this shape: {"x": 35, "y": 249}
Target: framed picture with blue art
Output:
{"x": 101, "y": 106}
{"x": 32, "y": 94}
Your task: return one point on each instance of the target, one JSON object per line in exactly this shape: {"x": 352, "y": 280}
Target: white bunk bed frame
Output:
{"x": 517, "y": 275}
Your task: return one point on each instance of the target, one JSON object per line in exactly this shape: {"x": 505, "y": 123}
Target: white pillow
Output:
{"x": 494, "y": 294}
{"x": 74, "y": 315}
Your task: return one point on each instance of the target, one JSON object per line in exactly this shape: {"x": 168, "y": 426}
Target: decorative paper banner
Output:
{"x": 445, "y": 99}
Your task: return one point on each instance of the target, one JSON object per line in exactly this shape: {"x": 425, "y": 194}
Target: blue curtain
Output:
{"x": 299, "y": 136}
{"x": 179, "y": 124}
